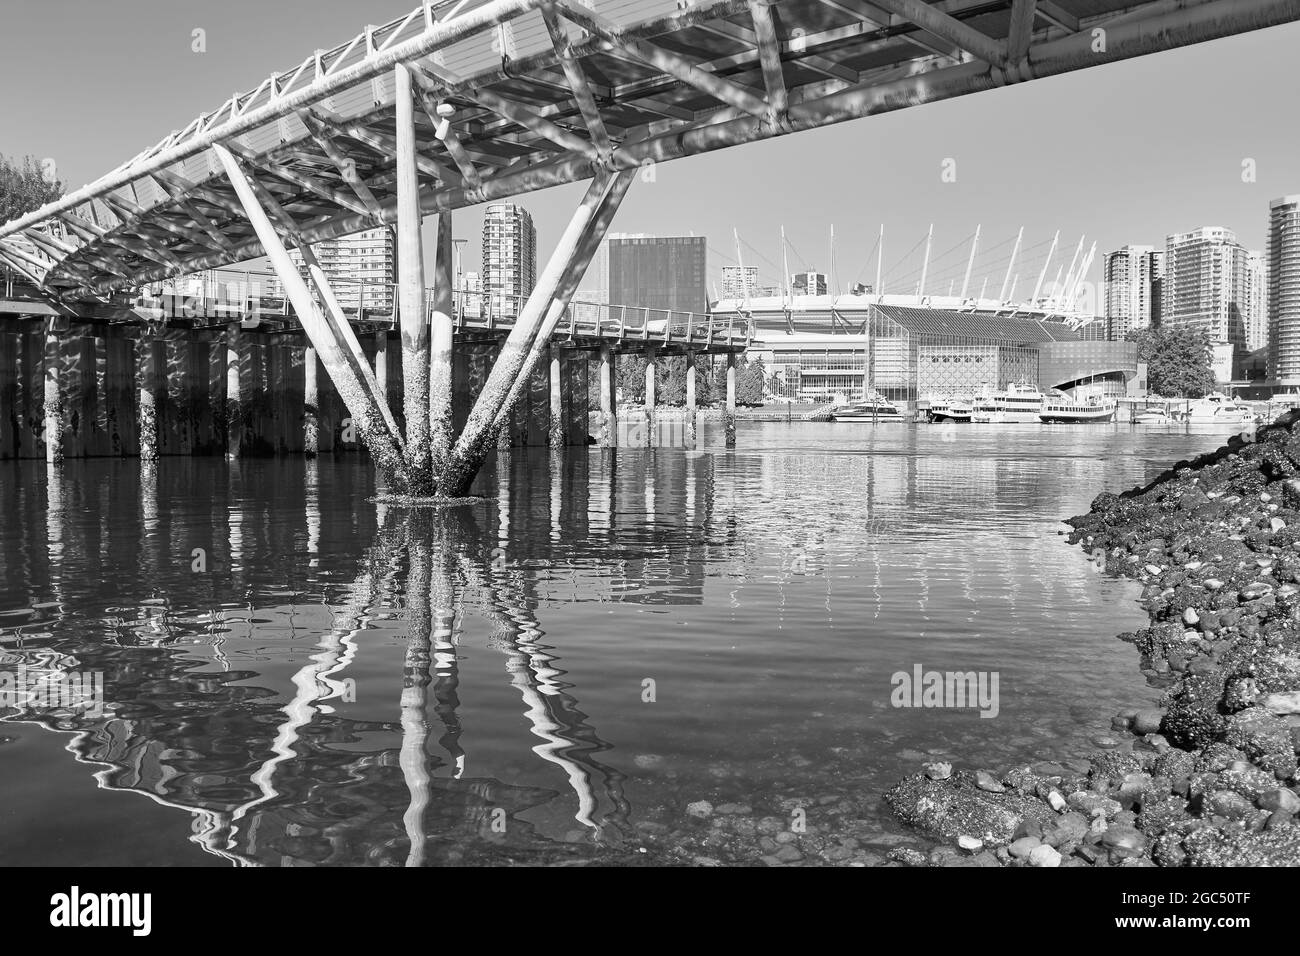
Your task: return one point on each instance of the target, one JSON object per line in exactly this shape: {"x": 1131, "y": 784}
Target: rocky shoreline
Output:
{"x": 1210, "y": 778}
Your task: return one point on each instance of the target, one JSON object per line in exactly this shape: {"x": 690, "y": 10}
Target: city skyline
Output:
{"x": 1137, "y": 167}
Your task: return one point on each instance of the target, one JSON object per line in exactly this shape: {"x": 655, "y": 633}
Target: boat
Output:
{"x": 1018, "y": 402}
{"x": 1218, "y": 409}
{"x": 1060, "y": 409}
{"x": 871, "y": 409}
{"x": 1151, "y": 416}
{"x": 949, "y": 410}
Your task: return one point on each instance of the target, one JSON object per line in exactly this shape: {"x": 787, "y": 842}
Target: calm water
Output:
{"x": 294, "y": 675}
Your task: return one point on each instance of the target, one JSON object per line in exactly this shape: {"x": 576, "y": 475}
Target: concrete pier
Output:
{"x": 154, "y": 390}
{"x": 310, "y": 399}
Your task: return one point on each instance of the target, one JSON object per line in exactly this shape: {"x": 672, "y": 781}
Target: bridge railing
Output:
{"x": 224, "y": 295}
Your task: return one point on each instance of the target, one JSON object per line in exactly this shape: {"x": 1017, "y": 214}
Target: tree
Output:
{"x": 1179, "y": 360}
{"x": 24, "y": 188}
{"x": 749, "y": 383}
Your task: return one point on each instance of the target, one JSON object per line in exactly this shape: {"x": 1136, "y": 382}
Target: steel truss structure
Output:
{"x": 467, "y": 101}
{"x": 518, "y": 95}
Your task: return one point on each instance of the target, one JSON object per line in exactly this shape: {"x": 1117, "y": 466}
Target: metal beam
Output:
{"x": 579, "y": 85}
{"x": 933, "y": 20}
{"x": 674, "y": 65}
{"x": 769, "y": 55}
{"x": 1021, "y": 31}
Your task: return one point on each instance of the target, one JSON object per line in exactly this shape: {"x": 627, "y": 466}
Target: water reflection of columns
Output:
{"x": 415, "y": 680}
{"x": 443, "y": 610}
{"x": 311, "y": 507}
{"x": 557, "y": 493}
{"x": 54, "y": 528}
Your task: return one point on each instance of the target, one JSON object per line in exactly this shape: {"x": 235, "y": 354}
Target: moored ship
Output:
{"x": 1059, "y": 409}
{"x": 949, "y": 410}
{"x": 1018, "y": 402}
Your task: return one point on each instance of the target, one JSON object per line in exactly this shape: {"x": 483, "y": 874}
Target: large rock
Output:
{"x": 949, "y": 809}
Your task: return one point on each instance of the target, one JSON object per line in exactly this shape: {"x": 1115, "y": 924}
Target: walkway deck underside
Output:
{"x": 518, "y": 95}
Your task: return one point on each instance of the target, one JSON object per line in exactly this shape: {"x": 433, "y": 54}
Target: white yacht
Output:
{"x": 1152, "y": 416}
{"x": 1019, "y": 402}
{"x": 874, "y": 408}
{"x": 1218, "y": 409}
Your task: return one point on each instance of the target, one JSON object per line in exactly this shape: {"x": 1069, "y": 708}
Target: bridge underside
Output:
{"x": 468, "y": 101}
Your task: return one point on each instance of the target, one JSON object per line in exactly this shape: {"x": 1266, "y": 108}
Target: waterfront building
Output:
{"x": 739, "y": 282}
{"x": 361, "y": 268}
{"x": 1132, "y": 276}
{"x": 1283, "y": 305}
{"x": 509, "y": 263}
{"x": 1205, "y": 284}
{"x": 659, "y": 272}
{"x": 826, "y": 349}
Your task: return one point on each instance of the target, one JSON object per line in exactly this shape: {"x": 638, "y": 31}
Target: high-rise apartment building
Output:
{"x": 659, "y": 272}
{"x": 1133, "y": 284}
{"x": 1206, "y": 285}
{"x": 1283, "y": 267}
{"x": 361, "y": 269}
{"x": 739, "y": 282}
{"x": 1256, "y": 300}
{"x": 509, "y": 264}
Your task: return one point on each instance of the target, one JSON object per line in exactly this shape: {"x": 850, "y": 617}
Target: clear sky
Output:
{"x": 1125, "y": 153}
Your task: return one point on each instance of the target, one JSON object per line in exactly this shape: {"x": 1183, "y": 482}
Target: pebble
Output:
{"x": 734, "y": 808}
{"x": 1283, "y": 703}
{"x": 701, "y": 809}
{"x": 1044, "y": 856}
{"x": 940, "y": 770}
{"x": 1148, "y": 722}
{"x": 1056, "y": 801}
{"x": 1106, "y": 743}
{"x": 1021, "y": 848}
{"x": 1213, "y": 584}
{"x": 987, "y": 782}
{"x": 970, "y": 844}
{"x": 1277, "y": 524}
{"x": 1124, "y": 839}
{"x": 1190, "y": 616}
{"x": 1153, "y": 569}
{"x": 1283, "y": 799}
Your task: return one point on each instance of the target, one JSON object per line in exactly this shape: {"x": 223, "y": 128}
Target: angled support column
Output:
{"x": 330, "y": 335}
{"x": 410, "y": 279}
{"x": 729, "y": 415}
{"x": 608, "y": 407}
{"x": 441, "y": 336}
{"x": 532, "y": 330}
